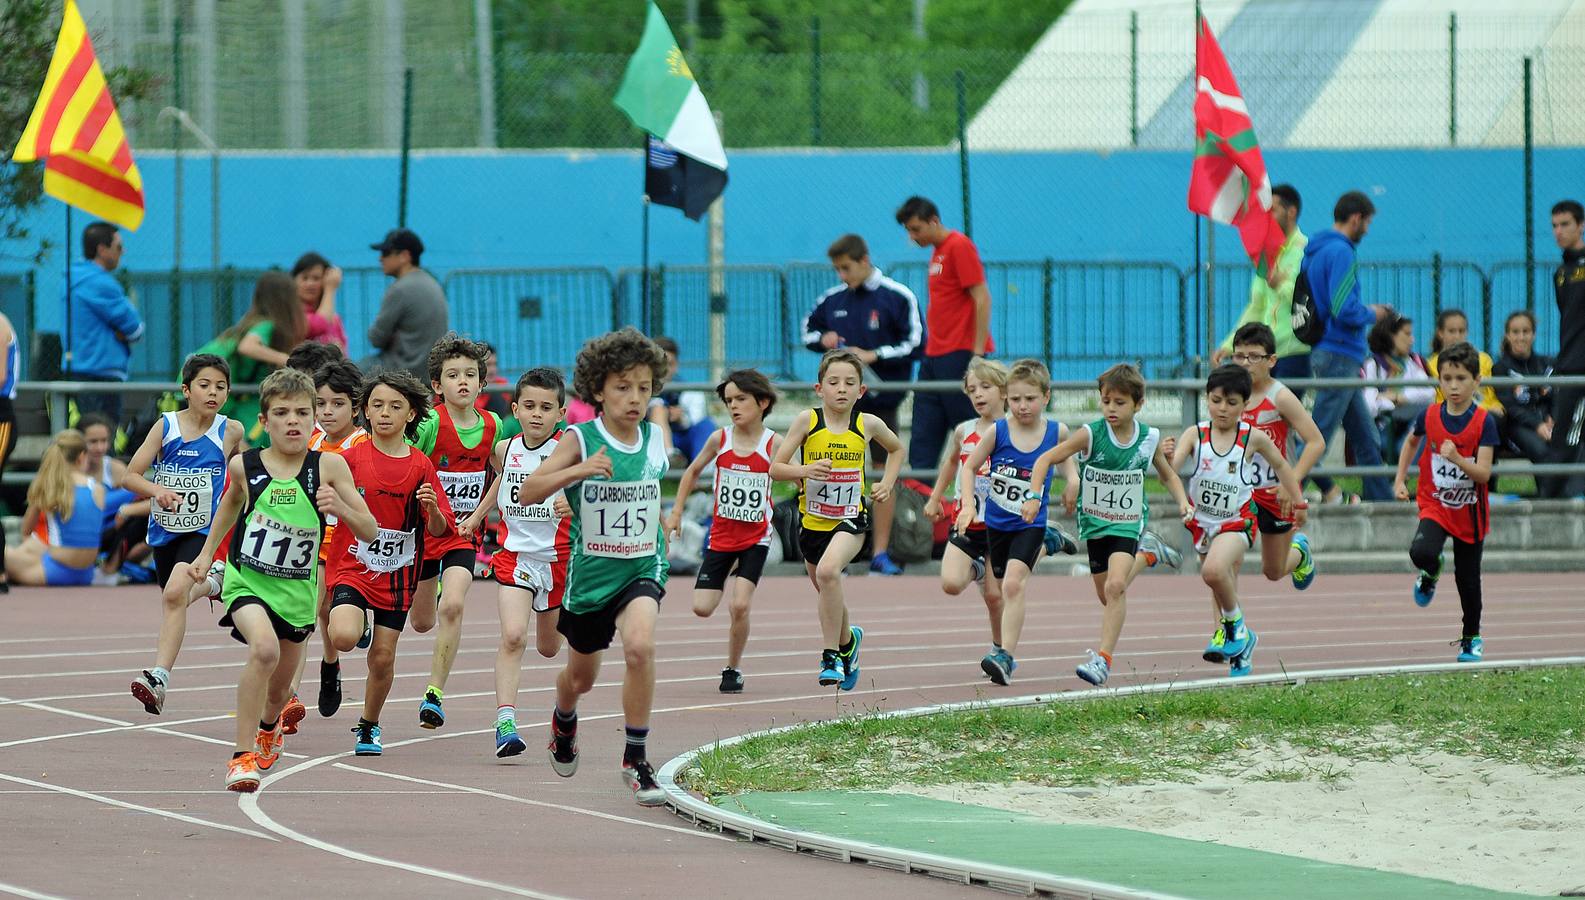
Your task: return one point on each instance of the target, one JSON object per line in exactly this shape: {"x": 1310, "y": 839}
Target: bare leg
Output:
{"x": 1112, "y": 589}
{"x": 1013, "y": 584}
{"x": 280, "y": 687}
{"x": 422, "y": 615}
{"x": 173, "y": 626}
{"x": 1278, "y": 556}
{"x": 884, "y": 512}
{"x": 957, "y": 570}
{"x": 264, "y": 655}
{"x": 827, "y": 575}
{"x": 737, "y": 636}
{"x": 454, "y": 584}
{"x": 514, "y": 604}
{"x": 576, "y": 678}
{"x": 1220, "y": 571}
{"x": 382, "y": 669}
{"x": 636, "y": 625}
{"x": 547, "y": 640}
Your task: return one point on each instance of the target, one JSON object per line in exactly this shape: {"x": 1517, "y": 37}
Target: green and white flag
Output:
{"x": 659, "y": 94}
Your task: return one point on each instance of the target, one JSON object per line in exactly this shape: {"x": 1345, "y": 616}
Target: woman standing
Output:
{"x": 317, "y": 282}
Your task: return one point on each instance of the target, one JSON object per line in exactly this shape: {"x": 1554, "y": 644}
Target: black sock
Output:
{"x": 269, "y": 726}
{"x": 636, "y": 739}
{"x": 362, "y": 721}
{"x": 329, "y": 665}
{"x": 566, "y": 722}
{"x": 847, "y": 648}
{"x": 238, "y": 754}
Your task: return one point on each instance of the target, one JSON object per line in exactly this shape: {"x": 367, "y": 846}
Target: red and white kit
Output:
{"x": 534, "y": 554}
{"x": 1446, "y": 494}
{"x": 742, "y": 496}
{"x": 1264, "y": 415}
{"x": 463, "y": 472}
{"x": 1221, "y": 489}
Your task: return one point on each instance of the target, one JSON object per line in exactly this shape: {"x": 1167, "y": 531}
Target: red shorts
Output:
{"x": 1244, "y": 525}
{"x": 547, "y": 581}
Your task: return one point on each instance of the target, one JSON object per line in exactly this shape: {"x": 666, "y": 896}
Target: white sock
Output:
{"x": 506, "y": 714}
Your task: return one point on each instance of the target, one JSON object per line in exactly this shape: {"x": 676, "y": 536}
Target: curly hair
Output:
{"x": 615, "y": 352}
{"x": 402, "y": 382}
{"x": 454, "y": 346}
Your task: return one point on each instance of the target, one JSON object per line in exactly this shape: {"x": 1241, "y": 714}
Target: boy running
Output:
{"x": 1459, "y": 439}
{"x": 1114, "y": 453}
{"x": 277, "y": 499}
{"x": 458, "y": 439}
{"x": 1221, "y": 490}
{"x": 188, "y": 450}
{"x": 531, "y": 566}
{"x": 611, "y": 470}
{"x": 740, "y": 528}
{"x": 832, "y": 443}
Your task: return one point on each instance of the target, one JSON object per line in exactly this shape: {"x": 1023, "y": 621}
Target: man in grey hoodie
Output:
{"x": 413, "y": 315}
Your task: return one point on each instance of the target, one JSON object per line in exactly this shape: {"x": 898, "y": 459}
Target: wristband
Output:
{"x": 1303, "y": 505}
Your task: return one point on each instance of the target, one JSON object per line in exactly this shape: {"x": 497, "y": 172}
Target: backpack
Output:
{"x": 913, "y": 535}
{"x": 1306, "y": 316}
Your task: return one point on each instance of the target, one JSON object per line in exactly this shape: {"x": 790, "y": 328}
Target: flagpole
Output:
{"x": 643, "y": 314}
{"x": 66, "y": 333}
{"x": 1197, "y": 292}
{"x": 1210, "y": 288}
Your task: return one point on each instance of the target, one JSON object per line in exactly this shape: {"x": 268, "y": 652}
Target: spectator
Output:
{"x": 63, "y": 519}
{"x": 10, "y": 361}
{"x": 1391, "y": 343}
{"x": 1271, "y": 297}
{"x": 317, "y": 284}
{"x": 102, "y": 321}
{"x": 1527, "y": 423}
{"x": 258, "y": 345}
{"x": 957, "y": 327}
{"x": 682, "y": 416}
{"x": 878, "y": 319}
{"x": 413, "y": 315}
{"x": 1452, "y": 327}
{"x": 1568, "y": 403}
{"x": 1331, "y": 269}
{"x": 126, "y": 515}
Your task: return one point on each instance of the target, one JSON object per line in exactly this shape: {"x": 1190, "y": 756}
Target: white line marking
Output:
{"x": 111, "y": 801}
{"x": 153, "y": 726}
{"x": 14, "y": 890}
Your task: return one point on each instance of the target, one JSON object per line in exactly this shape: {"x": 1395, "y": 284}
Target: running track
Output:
{"x": 98, "y": 798}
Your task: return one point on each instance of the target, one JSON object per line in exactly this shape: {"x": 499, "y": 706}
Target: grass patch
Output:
{"x": 1531, "y": 717}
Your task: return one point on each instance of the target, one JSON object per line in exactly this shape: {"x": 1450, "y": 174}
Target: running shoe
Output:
{"x": 1471, "y": 649}
{"x": 640, "y": 776}
{"x": 150, "y": 692}
{"x": 1094, "y": 670}
{"x": 1425, "y": 583}
{"x": 368, "y": 743}
{"x": 368, "y": 634}
{"x": 1304, "y": 572}
{"x": 242, "y": 774}
{"x": 329, "y": 688}
{"x": 291, "y": 714}
{"x": 1215, "y": 651}
{"x": 977, "y": 570}
{"x": 430, "y": 715}
{"x": 850, "y": 662}
{"x": 563, "y": 749}
{"x": 1058, "y": 541}
{"x": 215, "y": 580}
{"x": 882, "y": 564}
{"x": 999, "y": 666}
{"x": 267, "y": 748}
{"x": 1236, "y": 638}
{"x": 507, "y": 742}
{"x": 830, "y": 668}
{"x": 1159, "y": 550}
{"x": 1241, "y": 664}
{"x": 731, "y": 681}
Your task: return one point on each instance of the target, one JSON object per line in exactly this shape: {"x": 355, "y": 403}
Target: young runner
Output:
{"x": 740, "y": 527}
{"x": 1221, "y": 489}
{"x": 277, "y": 499}
{"x": 377, "y": 575}
{"x": 610, "y": 469}
{"x": 531, "y": 566}
{"x": 832, "y": 443}
{"x": 1277, "y": 411}
{"x": 1114, "y": 453}
{"x": 1014, "y": 545}
{"x": 1455, "y": 441}
{"x": 458, "y": 439}
{"x": 188, "y": 450}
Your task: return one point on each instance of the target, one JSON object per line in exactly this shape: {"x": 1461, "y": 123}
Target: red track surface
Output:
{"x": 96, "y": 769}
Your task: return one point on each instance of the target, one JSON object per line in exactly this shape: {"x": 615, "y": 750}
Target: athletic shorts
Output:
{"x": 1268, "y": 515}
{"x": 718, "y": 565}
{"x": 284, "y": 630}
{"x": 546, "y": 580}
{"x": 973, "y": 542}
{"x": 1101, "y": 550}
{"x": 58, "y": 574}
{"x": 1244, "y": 525}
{"x": 181, "y": 551}
{"x": 812, "y": 543}
{"x": 347, "y": 595}
{"x": 1023, "y": 545}
{"x": 592, "y": 631}
{"x": 459, "y": 557}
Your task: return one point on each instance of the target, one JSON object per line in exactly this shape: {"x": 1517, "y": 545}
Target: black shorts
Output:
{"x": 1101, "y": 550}
{"x": 973, "y": 542}
{"x": 181, "y": 551}
{"x": 1268, "y": 523}
{"x": 458, "y": 558}
{"x": 812, "y": 544}
{"x": 347, "y": 595}
{"x": 592, "y": 631}
{"x": 718, "y": 565}
{"x": 284, "y": 630}
{"x": 1023, "y": 545}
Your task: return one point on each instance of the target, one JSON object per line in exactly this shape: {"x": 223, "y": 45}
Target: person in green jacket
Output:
{"x": 1271, "y": 297}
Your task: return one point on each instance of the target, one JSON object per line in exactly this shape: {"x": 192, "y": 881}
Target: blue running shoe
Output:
{"x": 507, "y": 742}
{"x": 430, "y": 715}
{"x": 1242, "y": 663}
{"x": 1236, "y": 638}
{"x": 1304, "y": 572}
{"x": 368, "y": 739}
{"x": 999, "y": 666}
{"x": 1094, "y": 670}
{"x": 1471, "y": 649}
{"x": 1425, "y": 584}
{"x": 882, "y": 564}
{"x": 1215, "y": 651}
{"x": 1057, "y": 541}
{"x": 850, "y": 663}
{"x": 830, "y": 668}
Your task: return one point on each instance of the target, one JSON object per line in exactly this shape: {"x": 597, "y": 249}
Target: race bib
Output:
{"x": 1216, "y": 500}
{"x": 1453, "y": 488}
{"x": 513, "y": 508}
{"x": 1009, "y": 489}
{"x": 196, "y": 491}
{"x": 1117, "y": 497}
{"x": 741, "y": 496}
{"x": 1261, "y": 474}
{"x": 619, "y": 519}
{"x": 839, "y": 495}
{"x": 277, "y": 549}
{"x": 463, "y": 490}
{"x": 389, "y": 551}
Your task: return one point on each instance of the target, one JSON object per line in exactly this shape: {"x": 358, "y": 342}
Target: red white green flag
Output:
{"x": 1229, "y": 184}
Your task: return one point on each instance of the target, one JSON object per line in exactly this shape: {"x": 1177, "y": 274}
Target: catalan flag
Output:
{"x": 76, "y": 132}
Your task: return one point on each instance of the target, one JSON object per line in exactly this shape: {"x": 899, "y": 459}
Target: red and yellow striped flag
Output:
{"x": 75, "y": 130}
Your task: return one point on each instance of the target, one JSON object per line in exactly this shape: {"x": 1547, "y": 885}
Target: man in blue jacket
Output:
{"x": 878, "y": 319}
{"x": 1333, "y": 272}
{"x": 103, "y": 322}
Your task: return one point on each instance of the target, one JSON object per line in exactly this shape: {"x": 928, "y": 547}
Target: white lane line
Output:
{"x": 34, "y": 704}
{"x": 111, "y": 801}
{"x": 153, "y": 726}
{"x": 16, "y": 891}
{"x": 308, "y": 791}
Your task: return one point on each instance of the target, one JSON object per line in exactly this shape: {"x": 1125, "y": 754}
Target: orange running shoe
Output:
{"x": 267, "y": 748}
{"x": 242, "y": 774}
{"x": 293, "y": 713}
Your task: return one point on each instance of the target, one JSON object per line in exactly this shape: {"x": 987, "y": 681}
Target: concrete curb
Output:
{"x": 704, "y": 814}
